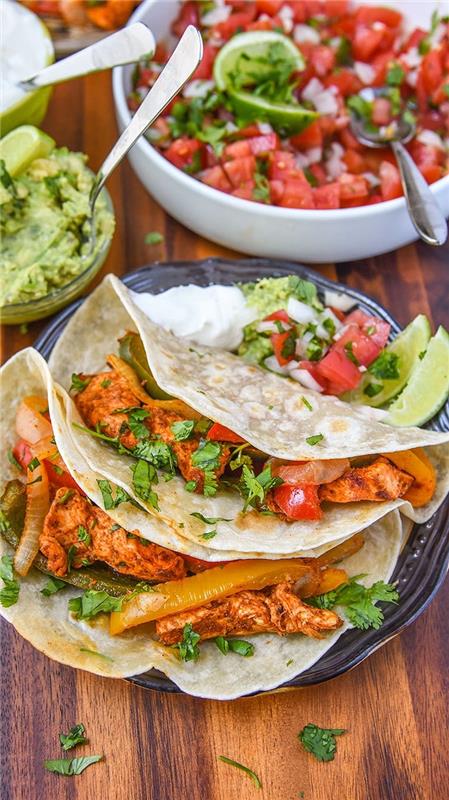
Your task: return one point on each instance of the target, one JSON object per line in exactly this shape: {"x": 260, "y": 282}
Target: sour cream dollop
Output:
{"x": 25, "y": 48}
{"x": 213, "y": 315}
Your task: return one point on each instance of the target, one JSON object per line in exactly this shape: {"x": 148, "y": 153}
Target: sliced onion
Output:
{"x": 305, "y": 33}
{"x": 316, "y": 472}
{"x": 31, "y": 424}
{"x": 431, "y": 138}
{"x": 272, "y": 364}
{"x": 197, "y": 88}
{"x": 300, "y": 312}
{"x": 304, "y": 377}
{"x": 271, "y": 326}
{"x": 312, "y": 89}
{"x": 364, "y": 72}
{"x": 37, "y": 505}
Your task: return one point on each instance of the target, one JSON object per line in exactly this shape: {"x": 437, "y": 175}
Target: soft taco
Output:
{"x": 195, "y": 434}
{"x": 89, "y": 591}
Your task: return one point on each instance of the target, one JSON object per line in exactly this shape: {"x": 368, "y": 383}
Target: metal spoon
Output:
{"x": 424, "y": 211}
{"x": 124, "y": 47}
{"x": 177, "y": 71}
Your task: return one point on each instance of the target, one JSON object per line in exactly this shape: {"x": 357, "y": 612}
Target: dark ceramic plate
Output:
{"x": 424, "y": 560}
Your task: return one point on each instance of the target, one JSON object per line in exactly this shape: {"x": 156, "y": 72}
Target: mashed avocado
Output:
{"x": 271, "y": 294}
{"x": 44, "y": 226}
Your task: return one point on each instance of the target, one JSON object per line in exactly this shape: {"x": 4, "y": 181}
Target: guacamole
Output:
{"x": 44, "y": 226}
{"x": 271, "y": 294}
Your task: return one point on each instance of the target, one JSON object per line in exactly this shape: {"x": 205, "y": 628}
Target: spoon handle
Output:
{"x": 123, "y": 47}
{"x": 424, "y": 210}
{"x": 182, "y": 64}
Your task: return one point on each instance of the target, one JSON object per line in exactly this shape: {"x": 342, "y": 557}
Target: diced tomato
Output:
{"x": 358, "y": 317}
{"x": 414, "y": 39}
{"x": 319, "y": 173}
{"x": 265, "y": 24}
{"x": 425, "y": 154}
{"x": 22, "y": 453}
{"x": 338, "y": 313}
{"x": 226, "y": 29}
{"x": 327, "y": 196}
{"x": 298, "y": 502}
{"x": 299, "y": 10}
{"x": 346, "y": 82}
{"x": 217, "y": 178}
{"x": 188, "y": 15}
{"x": 182, "y": 151}
{"x": 380, "y": 64}
{"x": 239, "y": 149}
{"x": 431, "y": 172}
{"x": 58, "y": 478}
{"x": 371, "y": 326}
{"x": 362, "y": 346}
{"x": 311, "y": 368}
{"x": 247, "y": 132}
{"x": 323, "y": 59}
{"x": 282, "y": 165}
{"x": 352, "y": 187}
{"x": 270, "y": 7}
{"x": 432, "y": 70}
{"x": 297, "y": 193}
{"x": 367, "y": 15}
{"x": 219, "y": 433}
{"x": 240, "y": 170}
{"x": 204, "y": 69}
{"x": 278, "y": 341}
{"x": 354, "y": 162}
{"x": 381, "y": 114}
{"x": 245, "y": 191}
{"x": 264, "y": 144}
{"x": 366, "y": 42}
{"x": 280, "y": 315}
{"x": 390, "y": 181}
{"x": 341, "y": 373}
{"x": 312, "y": 136}
{"x": 335, "y": 8}
{"x": 276, "y": 191}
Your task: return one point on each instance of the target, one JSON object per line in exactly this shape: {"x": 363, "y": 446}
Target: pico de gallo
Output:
{"x": 344, "y": 48}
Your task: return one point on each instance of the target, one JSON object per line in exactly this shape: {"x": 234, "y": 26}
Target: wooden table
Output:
{"x": 164, "y": 747}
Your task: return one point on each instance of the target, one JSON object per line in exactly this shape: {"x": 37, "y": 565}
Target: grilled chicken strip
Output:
{"x": 108, "y": 392}
{"x": 276, "y": 609}
{"x": 380, "y": 480}
{"x": 73, "y": 521}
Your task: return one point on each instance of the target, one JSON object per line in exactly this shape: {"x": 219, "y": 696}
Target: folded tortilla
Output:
{"x": 263, "y": 408}
{"x": 49, "y": 626}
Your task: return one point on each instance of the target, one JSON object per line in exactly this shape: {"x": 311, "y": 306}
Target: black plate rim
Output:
{"x": 427, "y": 545}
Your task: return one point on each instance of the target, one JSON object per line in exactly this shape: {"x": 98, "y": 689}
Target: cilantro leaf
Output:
{"x": 136, "y": 424}
{"x": 9, "y": 594}
{"x": 78, "y": 384}
{"x": 188, "y": 649}
{"x": 52, "y": 586}
{"x": 108, "y": 500}
{"x": 154, "y": 237}
{"x": 94, "y": 602}
{"x": 144, "y": 475}
{"x": 209, "y": 535}
{"x": 83, "y": 535}
{"x": 313, "y": 440}
{"x": 13, "y": 460}
{"x": 321, "y": 742}
{"x": 254, "y": 488}
{"x": 255, "y": 779}
{"x": 157, "y": 453}
{"x": 395, "y": 75}
{"x": 70, "y": 766}
{"x": 373, "y": 389}
{"x": 182, "y": 430}
{"x": 358, "y": 601}
{"x": 73, "y": 737}
{"x": 209, "y": 520}
{"x": 239, "y": 646}
{"x": 306, "y": 403}
{"x": 385, "y": 366}
{"x": 207, "y": 455}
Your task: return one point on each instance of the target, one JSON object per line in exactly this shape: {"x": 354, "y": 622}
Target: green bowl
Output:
{"x": 18, "y": 313}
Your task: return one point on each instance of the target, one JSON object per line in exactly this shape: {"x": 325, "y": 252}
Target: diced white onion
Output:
{"x": 372, "y": 179}
{"x": 272, "y": 364}
{"x": 362, "y": 368}
{"x": 379, "y": 26}
{"x": 326, "y": 102}
{"x": 321, "y": 331}
{"x": 438, "y": 34}
{"x": 264, "y": 127}
{"x": 231, "y": 127}
{"x": 285, "y": 14}
{"x": 338, "y": 300}
{"x": 197, "y": 88}
{"x": 292, "y": 365}
{"x": 412, "y": 58}
{"x": 412, "y": 78}
{"x": 364, "y": 72}
{"x": 300, "y": 312}
{"x": 270, "y": 326}
{"x": 431, "y": 138}
{"x": 307, "y": 337}
{"x": 313, "y": 88}
{"x": 305, "y": 33}
{"x": 311, "y": 156}
{"x": 334, "y": 164}
{"x": 306, "y": 379}
{"x": 340, "y": 333}
{"x": 218, "y": 14}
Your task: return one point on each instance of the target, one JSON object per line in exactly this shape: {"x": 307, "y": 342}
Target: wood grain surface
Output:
{"x": 165, "y": 747}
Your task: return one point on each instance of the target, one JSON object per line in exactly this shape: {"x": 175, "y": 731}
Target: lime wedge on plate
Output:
{"x": 21, "y": 146}
{"x": 248, "y": 54}
{"x": 428, "y": 387}
{"x": 407, "y": 346}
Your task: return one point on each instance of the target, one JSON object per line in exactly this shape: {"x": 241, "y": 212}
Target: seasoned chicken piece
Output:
{"x": 108, "y": 392}
{"x": 276, "y": 610}
{"x": 380, "y": 480}
{"x": 74, "y": 521}
{"x": 103, "y": 396}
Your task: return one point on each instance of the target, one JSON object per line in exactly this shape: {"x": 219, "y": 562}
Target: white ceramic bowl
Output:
{"x": 261, "y": 230}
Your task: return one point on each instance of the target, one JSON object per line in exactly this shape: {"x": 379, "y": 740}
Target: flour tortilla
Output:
{"x": 47, "y": 624}
{"x": 110, "y": 311}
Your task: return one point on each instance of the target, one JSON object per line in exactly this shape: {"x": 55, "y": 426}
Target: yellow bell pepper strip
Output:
{"x": 330, "y": 578}
{"x": 416, "y": 463}
{"x": 213, "y": 584}
{"x": 343, "y": 550}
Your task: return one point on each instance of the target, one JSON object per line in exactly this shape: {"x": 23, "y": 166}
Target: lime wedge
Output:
{"x": 407, "y": 346}
{"x": 428, "y": 387}
{"x": 244, "y": 53}
{"x": 21, "y": 146}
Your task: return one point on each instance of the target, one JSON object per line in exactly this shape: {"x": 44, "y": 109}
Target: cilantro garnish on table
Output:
{"x": 73, "y": 737}
{"x": 320, "y": 742}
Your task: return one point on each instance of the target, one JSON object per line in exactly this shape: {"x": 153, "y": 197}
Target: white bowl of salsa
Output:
{"x": 313, "y": 234}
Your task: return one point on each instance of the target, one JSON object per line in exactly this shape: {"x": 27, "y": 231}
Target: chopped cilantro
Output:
{"x": 73, "y": 737}
{"x": 71, "y": 555}
{"x": 93, "y": 602}
{"x": 190, "y": 486}
{"x": 183, "y": 430}
{"x": 359, "y": 602}
{"x": 209, "y": 535}
{"x": 108, "y": 500}
{"x": 52, "y": 586}
{"x": 306, "y": 403}
{"x": 313, "y": 440}
{"x": 13, "y": 460}
{"x": 78, "y": 384}
{"x": 144, "y": 475}
{"x": 350, "y": 353}
{"x": 157, "y": 453}
{"x": 385, "y": 366}
{"x": 254, "y": 488}
{"x": 188, "y": 649}
{"x": 395, "y": 74}
{"x": 209, "y": 520}
{"x": 207, "y": 456}
{"x": 239, "y": 646}
{"x": 9, "y": 594}
{"x": 154, "y": 237}
{"x": 106, "y": 383}
{"x": 83, "y": 535}
{"x": 320, "y": 742}
{"x": 373, "y": 389}
{"x": 255, "y": 779}
{"x": 66, "y": 497}
{"x": 239, "y": 458}
{"x": 289, "y": 346}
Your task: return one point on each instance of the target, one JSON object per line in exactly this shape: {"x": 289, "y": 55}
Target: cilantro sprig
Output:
{"x": 9, "y": 594}
{"x": 321, "y": 742}
{"x": 255, "y": 488}
{"x": 73, "y": 737}
{"x": 188, "y": 649}
{"x": 358, "y": 601}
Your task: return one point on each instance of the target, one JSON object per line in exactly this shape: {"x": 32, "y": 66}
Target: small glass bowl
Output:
{"x": 18, "y": 313}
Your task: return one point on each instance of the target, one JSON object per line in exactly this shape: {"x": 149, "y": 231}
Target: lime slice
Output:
{"x": 21, "y": 146}
{"x": 253, "y": 46}
{"x": 428, "y": 387}
{"x": 407, "y": 346}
